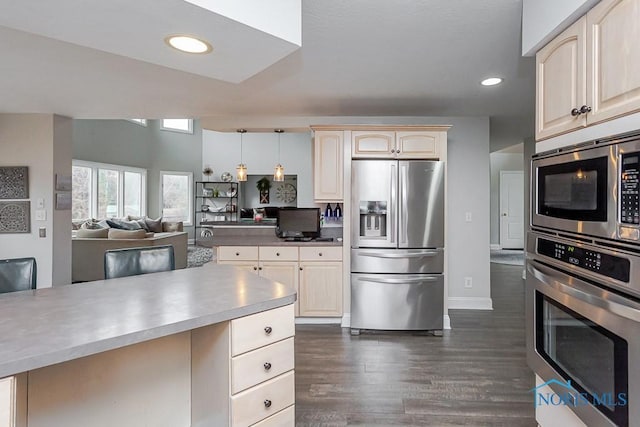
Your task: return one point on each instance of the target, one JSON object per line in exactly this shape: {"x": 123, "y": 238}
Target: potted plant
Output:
{"x": 263, "y": 186}
{"x": 207, "y": 171}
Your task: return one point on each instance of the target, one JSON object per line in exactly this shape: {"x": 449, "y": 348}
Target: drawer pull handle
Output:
{"x": 267, "y": 366}
{"x": 300, "y": 268}
{"x": 319, "y": 253}
{"x": 267, "y": 330}
{"x": 277, "y": 253}
{"x": 267, "y": 403}
{"x": 259, "y": 268}
{"x": 237, "y": 253}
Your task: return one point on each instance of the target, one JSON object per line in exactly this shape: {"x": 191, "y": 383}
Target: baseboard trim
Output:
{"x": 470, "y": 303}
{"x": 318, "y": 320}
{"x": 446, "y": 322}
{"x": 495, "y": 247}
{"x": 346, "y": 320}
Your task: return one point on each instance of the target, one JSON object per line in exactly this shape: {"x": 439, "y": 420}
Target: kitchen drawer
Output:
{"x": 262, "y": 401}
{"x": 284, "y": 418}
{"x": 261, "y": 365}
{"x": 278, "y": 253}
{"x": 320, "y": 253}
{"x": 258, "y": 330}
{"x": 238, "y": 253}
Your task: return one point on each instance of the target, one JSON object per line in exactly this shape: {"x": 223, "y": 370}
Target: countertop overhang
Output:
{"x": 53, "y": 325}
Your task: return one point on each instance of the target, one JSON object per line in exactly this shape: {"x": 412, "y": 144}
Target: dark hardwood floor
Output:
{"x": 474, "y": 375}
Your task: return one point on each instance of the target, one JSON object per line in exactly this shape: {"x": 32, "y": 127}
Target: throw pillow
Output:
{"x": 103, "y": 223}
{"x": 172, "y": 226}
{"x": 154, "y": 225}
{"x": 142, "y": 223}
{"x": 91, "y": 224}
{"x": 115, "y": 233}
{"x": 123, "y": 225}
{"x": 77, "y": 223}
{"x": 88, "y": 233}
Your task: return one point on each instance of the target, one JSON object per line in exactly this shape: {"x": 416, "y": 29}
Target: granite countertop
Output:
{"x": 53, "y": 325}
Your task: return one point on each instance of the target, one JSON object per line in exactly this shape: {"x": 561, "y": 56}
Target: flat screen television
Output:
{"x": 298, "y": 223}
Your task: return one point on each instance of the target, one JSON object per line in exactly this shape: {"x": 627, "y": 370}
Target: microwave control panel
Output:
{"x": 629, "y": 190}
{"x": 591, "y": 260}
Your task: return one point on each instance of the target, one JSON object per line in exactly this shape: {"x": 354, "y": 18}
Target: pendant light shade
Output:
{"x": 278, "y": 173}
{"x": 241, "y": 169}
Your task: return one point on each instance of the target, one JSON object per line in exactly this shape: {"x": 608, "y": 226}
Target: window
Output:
{"x": 103, "y": 191}
{"x": 141, "y": 122}
{"x": 177, "y": 125}
{"x": 176, "y": 196}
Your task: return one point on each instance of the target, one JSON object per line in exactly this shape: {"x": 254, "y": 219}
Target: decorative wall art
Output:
{"x": 15, "y": 217}
{"x": 14, "y": 182}
{"x": 63, "y": 182}
{"x": 63, "y": 201}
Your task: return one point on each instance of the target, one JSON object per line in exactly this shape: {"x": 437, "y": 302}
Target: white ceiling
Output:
{"x": 358, "y": 58}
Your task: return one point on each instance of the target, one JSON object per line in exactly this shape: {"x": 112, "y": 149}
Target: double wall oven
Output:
{"x": 583, "y": 279}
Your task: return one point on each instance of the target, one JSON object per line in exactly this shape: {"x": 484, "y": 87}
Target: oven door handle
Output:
{"x": 583, "y": 291}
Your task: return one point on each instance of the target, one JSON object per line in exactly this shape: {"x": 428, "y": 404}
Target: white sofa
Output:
{"x": 88, "y": 253}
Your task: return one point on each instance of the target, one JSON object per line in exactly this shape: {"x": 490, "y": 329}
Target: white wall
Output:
{"x": 31, "y": 140}
{"x": 542, "y": 20}
{"x": 221, "y": 152}
{"x": 500, "y": 162}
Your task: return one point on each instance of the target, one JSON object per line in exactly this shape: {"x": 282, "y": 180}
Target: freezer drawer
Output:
{"x": 397, "y": 301}
{"x": 397, "y": 260}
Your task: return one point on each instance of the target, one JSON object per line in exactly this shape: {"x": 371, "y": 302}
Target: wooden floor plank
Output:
{"x": 474, "y": 375}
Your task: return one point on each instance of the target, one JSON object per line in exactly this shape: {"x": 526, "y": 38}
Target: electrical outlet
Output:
{"x": 468, "y": 282}
{"x": 467, "y": 216}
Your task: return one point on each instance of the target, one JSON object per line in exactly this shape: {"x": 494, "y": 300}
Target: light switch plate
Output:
{"x": 40, "y": 204}
{"x": 42, "y": 232}
{"x": 41, "y": 215}
{"x": 467, "y": 216}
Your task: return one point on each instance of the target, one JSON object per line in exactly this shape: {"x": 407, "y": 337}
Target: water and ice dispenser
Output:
{"x": 373, "y": 218}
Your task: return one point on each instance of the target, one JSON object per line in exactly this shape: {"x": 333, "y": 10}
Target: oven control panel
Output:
{"x": 629, "y": 191}
{"x": 591, "y": 260}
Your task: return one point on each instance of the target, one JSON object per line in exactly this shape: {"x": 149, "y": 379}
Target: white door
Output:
{"x": 511, "y": 209}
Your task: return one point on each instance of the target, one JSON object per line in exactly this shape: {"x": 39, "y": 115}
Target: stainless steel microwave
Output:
{"x": 591, "y": 190}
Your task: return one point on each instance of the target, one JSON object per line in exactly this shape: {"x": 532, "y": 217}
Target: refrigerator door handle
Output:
{"x": 394, "y": 200}
{"x": 399, "y": 281}
{"x": 403, "y": 212}
{"x": 391, "y": 255}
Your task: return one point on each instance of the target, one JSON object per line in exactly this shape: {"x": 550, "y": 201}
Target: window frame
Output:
{"x": 171, "y": 129}
{"x": 139, "y": 122}
{"x": 95, "y": 166}
{"x": 189, "y": 222}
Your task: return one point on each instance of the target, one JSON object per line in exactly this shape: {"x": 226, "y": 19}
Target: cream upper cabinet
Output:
{"x": 591, "y": 72}
{"x": 373, "y": 144}
{"x": 560, "y": 82}
{"x": 613, "y": 67}
{"x": 409, "y": 144}
{"x": 328, "y": 171}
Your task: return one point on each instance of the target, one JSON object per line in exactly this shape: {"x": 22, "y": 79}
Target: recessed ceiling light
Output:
{"x": 188, "y": 44}
{"x": 491, "y": 81}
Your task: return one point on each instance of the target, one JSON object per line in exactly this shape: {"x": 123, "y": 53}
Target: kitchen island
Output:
{"x": 155, "y": 349}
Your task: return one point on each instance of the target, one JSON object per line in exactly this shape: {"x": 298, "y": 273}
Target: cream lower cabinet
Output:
{"x": 315, "y": 272}
{"x": 243, "y": 371}
{"x": 7, "y": 402}
{"x": 320, "y": 281}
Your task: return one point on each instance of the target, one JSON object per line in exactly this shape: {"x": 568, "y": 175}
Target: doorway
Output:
{"x": 511, "y": 209}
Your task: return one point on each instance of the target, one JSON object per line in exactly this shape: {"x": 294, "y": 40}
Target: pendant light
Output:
{"x": 241, "y": 169}
{"x": 278, "y": 174}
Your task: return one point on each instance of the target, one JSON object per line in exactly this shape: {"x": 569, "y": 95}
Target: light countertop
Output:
{"x": 52, "y": 325}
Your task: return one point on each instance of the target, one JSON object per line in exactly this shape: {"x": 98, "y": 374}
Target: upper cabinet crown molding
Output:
{"x": 591, "y": 72}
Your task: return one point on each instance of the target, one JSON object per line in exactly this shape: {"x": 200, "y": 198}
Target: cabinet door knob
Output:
{"x": 585, "y": 109}
{"x": 259, "y": 268}
{"x": 300, "y": 268}
{"x": 267, "y": 403}
{"x": 255, "y": 268}
{"x": 575, "y": 112}
{"x": 393, "y": 151}
{"x": 268, "y": 330}
{"x": 267, "y": 366}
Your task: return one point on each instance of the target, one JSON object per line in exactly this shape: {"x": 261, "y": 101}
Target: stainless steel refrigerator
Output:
{"x": 397, "y": 245}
